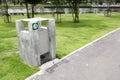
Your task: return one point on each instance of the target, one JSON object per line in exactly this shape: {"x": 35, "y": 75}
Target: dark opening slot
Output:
{"x": 45, "y": 58}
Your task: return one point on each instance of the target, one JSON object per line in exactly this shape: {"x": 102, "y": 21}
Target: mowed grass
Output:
{"x": 69, "y": 37}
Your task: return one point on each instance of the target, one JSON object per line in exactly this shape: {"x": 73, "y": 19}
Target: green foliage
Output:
{"x": 34, "y": 2}
{"x": 117, "y": 1}
{"x": 66, "y": 6}
{"x": 102, "y": 1}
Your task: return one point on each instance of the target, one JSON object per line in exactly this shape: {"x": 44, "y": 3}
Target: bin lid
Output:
{"x": 34, "y": 19}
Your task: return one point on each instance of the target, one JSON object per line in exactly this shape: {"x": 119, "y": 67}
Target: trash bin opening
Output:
{"x": 45, "y": 57}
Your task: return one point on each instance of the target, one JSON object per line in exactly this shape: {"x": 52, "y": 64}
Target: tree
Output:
{"x": 15, "y": 2}
{"x": 7, "y": 17}
{"x": 117, "y": 1}
{"x": 33, "y": 3}
{"x": 75, "y": 9}
{"x": 0, "y": 2}
{"x": 58, "y": 13}
{"x": 107, "y": 12}
{"x": 58, "y": 10}
{"x": 102, "y": 1}
{"x": 26, "y": 5}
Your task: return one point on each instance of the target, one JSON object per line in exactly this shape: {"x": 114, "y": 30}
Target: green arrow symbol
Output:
{"x": 35, "y": 26}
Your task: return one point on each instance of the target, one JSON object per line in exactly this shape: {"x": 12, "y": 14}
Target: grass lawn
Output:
{"x": 69, "y": 37}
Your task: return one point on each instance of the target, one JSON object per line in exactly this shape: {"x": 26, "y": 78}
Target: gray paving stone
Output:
{"x": 100, "y": 60}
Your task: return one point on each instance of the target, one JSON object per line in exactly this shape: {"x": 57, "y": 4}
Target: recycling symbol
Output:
{"x": 35, "y": 26}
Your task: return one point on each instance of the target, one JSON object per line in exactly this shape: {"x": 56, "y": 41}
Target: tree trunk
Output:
{"x": 6, "y": 15}
{"x": 26, "y": 4}
{"x": 32, "y": 11}
{"x": 75, "y": 11}
{"x": 58, "y": 14}
{"x": 107, "y": 12}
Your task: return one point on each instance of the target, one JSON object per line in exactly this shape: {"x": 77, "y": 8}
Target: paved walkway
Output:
{"x": 99, "y": 60}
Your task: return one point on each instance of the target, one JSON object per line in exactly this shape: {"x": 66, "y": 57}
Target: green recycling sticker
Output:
{"x": 35, "y": 26}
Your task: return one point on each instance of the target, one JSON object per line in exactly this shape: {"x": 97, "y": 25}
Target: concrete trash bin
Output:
{"x": 37, "y": 45}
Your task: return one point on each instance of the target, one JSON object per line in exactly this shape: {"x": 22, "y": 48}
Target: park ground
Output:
{"x": 69, "y": 37}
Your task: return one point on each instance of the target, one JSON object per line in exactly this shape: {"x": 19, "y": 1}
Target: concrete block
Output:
{"x": 37, "y": 44}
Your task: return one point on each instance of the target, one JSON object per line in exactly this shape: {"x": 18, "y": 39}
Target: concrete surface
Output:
{"x": 37, "y": 44}
{"x": 99, "y": 60}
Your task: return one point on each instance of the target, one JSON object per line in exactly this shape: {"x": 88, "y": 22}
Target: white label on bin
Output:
{"x": 35, "y": 26}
